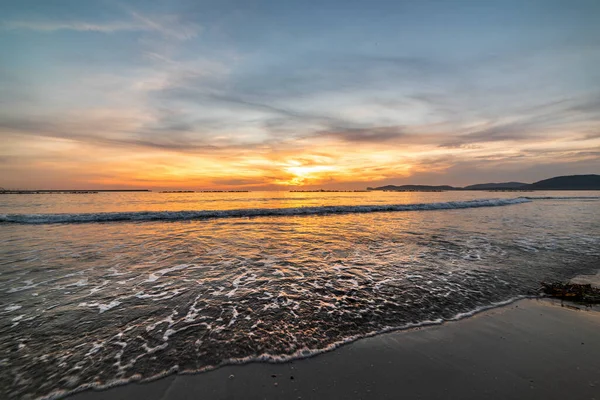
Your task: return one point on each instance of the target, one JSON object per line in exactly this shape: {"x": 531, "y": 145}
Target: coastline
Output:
{"x": 532, "y": 348}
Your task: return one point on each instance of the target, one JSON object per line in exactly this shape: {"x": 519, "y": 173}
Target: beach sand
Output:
{"x": 530, "y": 349}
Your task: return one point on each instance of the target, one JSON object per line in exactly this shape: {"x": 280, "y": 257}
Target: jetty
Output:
{"x": 66, "y": 191}
{"x": 510, "y": 190}
{"x": 327, "y": 191}
{"x": 416, "y": 190}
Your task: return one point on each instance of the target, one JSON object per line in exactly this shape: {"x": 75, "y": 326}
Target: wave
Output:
{"x": 561, "y": 197}
{"x": 249, "y": 212}
{"x": 300, "y": 354}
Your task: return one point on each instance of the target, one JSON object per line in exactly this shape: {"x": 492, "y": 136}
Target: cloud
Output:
{"x": 563, "y": 119}
{"x": 80, "y": 26}
{"x": 239, "y": 182}
{"x": 200, "y": 93}
{"x": 119, "y": 129}
{"x": 513, "y": 131}
{"x": 171, "y": 26}
{"x": 588, "y": 106}
{"x": 375, "y": 134}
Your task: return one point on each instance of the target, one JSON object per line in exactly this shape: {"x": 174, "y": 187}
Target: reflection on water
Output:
{"x": 153, "y": 201}
{"x": 89, "y": 304}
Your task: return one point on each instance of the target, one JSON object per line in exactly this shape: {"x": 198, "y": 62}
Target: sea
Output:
{"x": 102, "y": 289}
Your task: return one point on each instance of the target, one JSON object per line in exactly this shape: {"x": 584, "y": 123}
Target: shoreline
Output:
{"x": 493, "y": 351}
{"x": 289, "y": 358}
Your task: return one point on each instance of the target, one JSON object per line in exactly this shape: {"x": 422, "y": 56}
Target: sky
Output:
{"x": 280, "y": 95}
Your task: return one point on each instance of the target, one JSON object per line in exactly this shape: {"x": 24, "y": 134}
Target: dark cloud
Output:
{"x": 460, "y": 146}
{"x": 197, "y": 94}
{"x": 517, "y": 131}
{"x": 239, "y": 181}
{"x": 538, "y": 123}
{"x": 526, "y": 168}
{"x": 275, "y": 88}
{"x": 86, "y": 132}
{"x": 394, "y": 66}
{"x": 373, "y": 135}
{"x": 590, "y": 107}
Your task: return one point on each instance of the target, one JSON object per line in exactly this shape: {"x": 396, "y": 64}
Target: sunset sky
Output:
{"x": 277, "y": 94}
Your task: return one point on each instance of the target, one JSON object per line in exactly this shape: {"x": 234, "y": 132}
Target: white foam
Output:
{"x": 79, "y": 283}
{"x": 237, "y": 282}
{"x": 151, "y": 350}
{"x": 484, "y": 308}
{"x": 28, "y": 285}
{"x": 264, "y": 357}
{"x": 100, "y": 287}
{"x": 234, "y": 317}
{"x": 561, "y": 197}
{"x": 168, "y": 320}
{"x": 101, "y": 307}
{"x": 95, "y": 348}
{"x": 156, "y": 275}
{"x": 193, "y": 312}
{"x": 159, "y": 296}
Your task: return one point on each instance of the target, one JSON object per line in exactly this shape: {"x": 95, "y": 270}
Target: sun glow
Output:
{"x": 304, "y": 174}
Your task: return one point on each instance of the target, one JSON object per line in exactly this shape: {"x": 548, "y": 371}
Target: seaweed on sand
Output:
{"x": 572, "y": 291}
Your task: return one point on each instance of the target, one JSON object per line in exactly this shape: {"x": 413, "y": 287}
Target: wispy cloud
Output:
{"x": 171, "y": 26}
{"x": 374, "y": 135}
{"x": 575, "y": 118}
{"x": 81, "y": 26}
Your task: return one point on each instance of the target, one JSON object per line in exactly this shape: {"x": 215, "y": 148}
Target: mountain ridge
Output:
{"x": 499, "y": 185}
{"x": 565, "y": 182}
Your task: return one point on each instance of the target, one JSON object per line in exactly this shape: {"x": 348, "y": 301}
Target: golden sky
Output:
{"x": 195, "y": 96}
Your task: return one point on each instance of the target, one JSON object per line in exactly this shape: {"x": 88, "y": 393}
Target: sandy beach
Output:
{"x": 533, "y": 349}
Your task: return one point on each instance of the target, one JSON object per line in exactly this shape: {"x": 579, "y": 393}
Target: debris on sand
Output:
{"x": 583, "y": 293}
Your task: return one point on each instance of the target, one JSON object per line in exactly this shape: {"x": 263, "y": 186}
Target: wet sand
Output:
{"x": 531, "y": 349}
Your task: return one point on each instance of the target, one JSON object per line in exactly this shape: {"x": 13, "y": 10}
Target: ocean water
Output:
{"x": 102, "y": 289}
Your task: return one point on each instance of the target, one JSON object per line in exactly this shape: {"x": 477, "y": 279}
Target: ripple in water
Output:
{"x": 98, "y": 304}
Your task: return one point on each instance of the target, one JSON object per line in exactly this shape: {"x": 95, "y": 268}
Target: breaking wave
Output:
{"x": 251, "y": 212}
{"x": 561, "y": 197}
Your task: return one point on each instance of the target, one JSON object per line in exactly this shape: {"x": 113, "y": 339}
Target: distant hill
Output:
{"x": 413, "y": 187}
{"x": 492, "y": 186}
{"x": 571, "y": 182}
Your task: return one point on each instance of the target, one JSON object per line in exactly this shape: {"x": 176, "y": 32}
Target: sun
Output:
{"x": 302, "y": 174}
